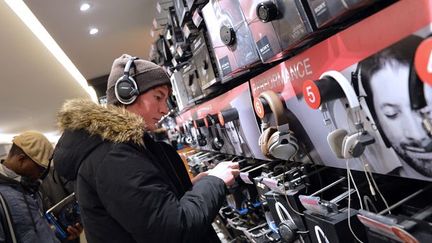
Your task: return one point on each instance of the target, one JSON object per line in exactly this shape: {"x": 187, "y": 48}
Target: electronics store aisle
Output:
{"x": 265, "y": 120}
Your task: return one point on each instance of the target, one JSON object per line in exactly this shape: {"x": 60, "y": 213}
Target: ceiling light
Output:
{"x": 93, "y": 31}
{"x": 84, "y": 7}
{"x": 30, "y": 20}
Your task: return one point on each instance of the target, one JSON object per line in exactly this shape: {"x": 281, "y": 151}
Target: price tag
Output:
{"x": 312, "y": 203}
{"x": 311, "y": 94}
{"x": 423, "y": 61}
{"x": 272, "y": 184}
{"x": 245, "y": 177}
{"x": 391, "y": 231}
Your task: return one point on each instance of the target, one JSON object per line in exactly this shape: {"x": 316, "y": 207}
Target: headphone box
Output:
{"x": 279, "y": 207}
{"x": 397, "y": 228}
{"x": 175, "y": 39}
{"x": 261, "y": 188}
{"x": 237, "y": 198}
{"x": 191, "y": 82}
{"x": 181, "y": 10}
{"x": 325, "y": 12}
{"x": 334, "y": 227}
{"x": 230, "y": 38}
{"x": 277, "y": 26}
{"x": 163, "y": 52}
{"x": 64, "y": 214}
{"x": 204, "y": 64}
{"x": 192, "y": 4}
{"x": 190, "y": 31}
{"x": 180, "y": 90}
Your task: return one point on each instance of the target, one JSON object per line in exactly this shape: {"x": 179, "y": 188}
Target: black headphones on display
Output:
{"x": 267, "y": 11}
{"x": 126, "y": 89}
{"x": 343, "y": 144}
{"x": 217, "y": 142}
{"x": 202, "y": 141}
{"x": 277, "y": 142}
{"x": 188, "y": 134}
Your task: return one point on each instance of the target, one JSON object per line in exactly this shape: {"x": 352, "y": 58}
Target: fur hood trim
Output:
{"x": 112, "y": 123}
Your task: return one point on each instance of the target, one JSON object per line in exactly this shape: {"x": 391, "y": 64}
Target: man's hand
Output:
{"x": 227, "y": 171}
{"x": 74, "y": 231}
{"x": 198, "y": 177}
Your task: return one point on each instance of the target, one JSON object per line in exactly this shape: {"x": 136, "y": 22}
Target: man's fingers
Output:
{"x": 235, "y": 172}
{"x": 72, "y": 231}
{"x": 234, "y": 165}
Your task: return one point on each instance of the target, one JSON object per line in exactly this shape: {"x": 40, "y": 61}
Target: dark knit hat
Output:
{"x": 146, "y": 74}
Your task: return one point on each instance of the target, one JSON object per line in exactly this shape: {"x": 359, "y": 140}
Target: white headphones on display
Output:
{"x": 277, "y": 142}
{"x": 343, "y": 144}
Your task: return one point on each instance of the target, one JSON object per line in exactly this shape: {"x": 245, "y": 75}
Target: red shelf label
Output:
{"x": 311, "y": 94}
{"x": 423, "y": 61}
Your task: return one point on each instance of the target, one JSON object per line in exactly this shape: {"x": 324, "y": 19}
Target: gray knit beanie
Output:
{"x": 146, "y": 74}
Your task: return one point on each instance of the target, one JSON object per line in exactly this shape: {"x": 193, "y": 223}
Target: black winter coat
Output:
{"x": 130, "y": 188}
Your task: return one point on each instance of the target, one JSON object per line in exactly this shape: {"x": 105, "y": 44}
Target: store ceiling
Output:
{"x": 34, "y": 84}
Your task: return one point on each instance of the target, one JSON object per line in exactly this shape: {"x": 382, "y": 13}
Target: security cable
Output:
{"x": 349, "y": 175}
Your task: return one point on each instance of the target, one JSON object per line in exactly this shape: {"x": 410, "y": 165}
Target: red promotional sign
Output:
{"x": 423, "y": 61}
{"x": 213, "y": 106}
{"x": 347, "y": 48}
{"x": 311, "y": 94}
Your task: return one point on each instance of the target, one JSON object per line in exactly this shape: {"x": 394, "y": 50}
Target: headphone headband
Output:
{"x": 128, "y": 65}
{"x": 347, "y": 88}
{"x": 276, "y": 106}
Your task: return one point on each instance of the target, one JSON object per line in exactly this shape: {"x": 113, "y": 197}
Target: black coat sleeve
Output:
{"x": 134, "y": 193}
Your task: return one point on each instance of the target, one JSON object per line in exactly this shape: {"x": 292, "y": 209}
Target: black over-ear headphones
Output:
{"x": 188, "y": 139}
{"x": 217, "y": 142}
{"x": 267, "y": 11}
{"x": 202, "y": 141}
{"x": 126, "y": 89}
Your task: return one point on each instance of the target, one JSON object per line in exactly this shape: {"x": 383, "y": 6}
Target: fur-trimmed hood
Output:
{"x": 112, "y": 123}
{"x": 86, "y": 126}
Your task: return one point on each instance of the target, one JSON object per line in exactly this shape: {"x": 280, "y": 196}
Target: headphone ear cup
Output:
{"x": 282, "y": 146}
{"x": 126, "y": 90}
{"x": 288, "y": 231}
{"x": 335, "y": 140}
{"x": 202, "y": 141}
{"x": 217, "y": 143}
{"x": 352, "y": 147}
{"x": 264, "y": 138}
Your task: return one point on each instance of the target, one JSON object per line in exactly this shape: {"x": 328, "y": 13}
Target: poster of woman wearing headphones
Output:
{"x": 400, "y": 105}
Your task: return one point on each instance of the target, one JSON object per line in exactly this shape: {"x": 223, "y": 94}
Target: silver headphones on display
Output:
{"x": 277, "y": 142}
{"x": 343, "y": 144}
{"x": 126, "y": 89}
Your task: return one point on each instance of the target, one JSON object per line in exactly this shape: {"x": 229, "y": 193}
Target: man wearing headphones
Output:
{"x": 131, "y": 188}
{"x": 21, "y": 218}
{"x": 389, "y": 82}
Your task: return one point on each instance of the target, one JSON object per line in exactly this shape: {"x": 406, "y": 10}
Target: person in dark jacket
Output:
{"x": 129, "y": 187}
{"x": 26, "y": 162}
